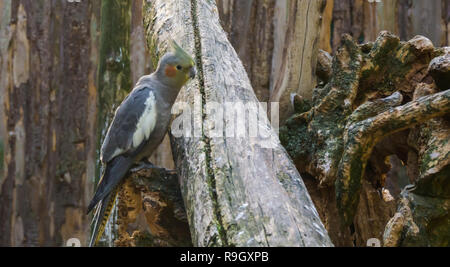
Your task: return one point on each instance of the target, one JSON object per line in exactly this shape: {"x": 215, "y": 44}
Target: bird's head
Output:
{"x": 176, "y": 67}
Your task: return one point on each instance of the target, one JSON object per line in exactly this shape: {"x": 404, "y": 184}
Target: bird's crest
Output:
{"x": 179, "y": 52}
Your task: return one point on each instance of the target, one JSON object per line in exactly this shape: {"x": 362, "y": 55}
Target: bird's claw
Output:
{"x": 148, "y": 165}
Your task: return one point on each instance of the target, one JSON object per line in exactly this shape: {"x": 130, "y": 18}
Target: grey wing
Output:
{"x": 132, "y": 124}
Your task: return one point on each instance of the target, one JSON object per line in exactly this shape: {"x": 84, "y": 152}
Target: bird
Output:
{"x": 139, "y": 125}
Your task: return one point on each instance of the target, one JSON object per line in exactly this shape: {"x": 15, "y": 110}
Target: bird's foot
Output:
{"x": 148, "y": 165}
{"x": 144, "y": 165}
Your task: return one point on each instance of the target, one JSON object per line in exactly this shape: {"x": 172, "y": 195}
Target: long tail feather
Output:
{"x": 113, "y": 175}
{"x": 106, "y": 193}
{"x": 102, "y": 214}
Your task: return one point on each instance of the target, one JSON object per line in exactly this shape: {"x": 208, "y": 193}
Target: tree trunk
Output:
{"x": 49, "y": 93}
{"x": 406, "y": 18}
{"x": 236, "y": 191}
{"x": 296, "y": 46}
{"x": 325, "y": 33}
{"x": 249, "y": 25}
{"x": 114, "y": 78}
{"x": 278, "y": 44}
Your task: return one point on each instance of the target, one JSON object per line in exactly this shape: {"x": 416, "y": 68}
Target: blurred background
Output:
{"x": 66, "y": 65}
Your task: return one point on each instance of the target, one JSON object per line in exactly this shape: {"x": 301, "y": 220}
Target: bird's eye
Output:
{"x": 179, "y": 67}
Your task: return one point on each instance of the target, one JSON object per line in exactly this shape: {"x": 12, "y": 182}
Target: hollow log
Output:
{"x": 238, "y": 191}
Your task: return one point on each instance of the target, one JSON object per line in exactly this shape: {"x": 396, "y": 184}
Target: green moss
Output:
{"x": 211, "y": 180}
{"x": 296, "y": 140}
{"x": 144, "y": 239}
{"x": 431, "y": 216}
{"x": 114, "y": 71}
{"x": 435, "y": 185}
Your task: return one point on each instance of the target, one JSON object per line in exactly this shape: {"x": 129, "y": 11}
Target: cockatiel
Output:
{"x": 139, "y": 126}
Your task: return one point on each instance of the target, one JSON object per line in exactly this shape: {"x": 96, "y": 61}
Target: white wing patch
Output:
{"x": 146, "y": 122}
{"x": 117, "y": 152}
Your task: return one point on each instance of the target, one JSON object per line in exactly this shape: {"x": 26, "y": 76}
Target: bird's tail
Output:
{"x": 112, "y": 177}
{"x": 102, "y": 215}
{"x": 106, "y": 193}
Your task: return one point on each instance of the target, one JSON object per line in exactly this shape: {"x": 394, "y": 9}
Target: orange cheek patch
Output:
{"x": 170, "y": 71}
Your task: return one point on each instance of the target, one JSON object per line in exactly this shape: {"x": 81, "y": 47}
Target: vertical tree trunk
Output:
{"x": 277, "y": 42}
{"x": 406, "y": 18}
{"x": 325, "y": 33}
{"x": 426, "y": 20}
{"x": 296, "y": 46}
{"x": 114, "y": 76}
{"x": 249, "y": 25}
{"x": 48, "y": 83}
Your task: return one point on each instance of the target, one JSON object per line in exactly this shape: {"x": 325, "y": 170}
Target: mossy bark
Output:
{"x": 372, "y": 92}
{"x": 113, "y": 77}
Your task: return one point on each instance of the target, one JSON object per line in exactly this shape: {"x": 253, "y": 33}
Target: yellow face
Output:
{"x": 180, "y": 73}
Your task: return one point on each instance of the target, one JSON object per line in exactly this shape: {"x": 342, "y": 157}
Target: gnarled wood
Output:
{"x": 381, "y": 99}
{"x": 360, "y": 138}
{"x": 236, "y": 191}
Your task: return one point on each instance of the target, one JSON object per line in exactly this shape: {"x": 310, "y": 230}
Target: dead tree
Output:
{"x": 236, "y": 191}
{"x": 378, "y": 99}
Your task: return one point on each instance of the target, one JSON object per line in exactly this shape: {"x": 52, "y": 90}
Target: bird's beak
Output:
{"x": 192, "y": 73}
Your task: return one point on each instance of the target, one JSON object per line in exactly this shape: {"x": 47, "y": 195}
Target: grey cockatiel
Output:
{"x": 139, "y": 126}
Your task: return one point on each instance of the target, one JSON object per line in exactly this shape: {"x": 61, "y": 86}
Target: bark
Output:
{"x": 426, "y": 20}
{"x": 295, "y": 52}
{"x": 50, "y": 118}
{"x": 152, "y": 198}
{"x": 114, "y": 78}
{"x": 376, "y": 95}
{"x": 325, "y": 33}
{"x": 363, "y": 20}
{"x": 236, "y": 191}
{"x": 250, "y": 30}
{"x": 361, "y": 137}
